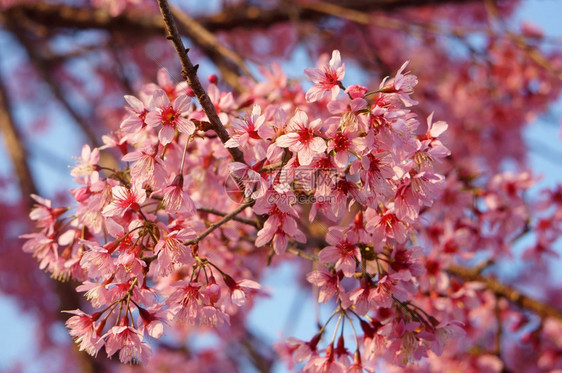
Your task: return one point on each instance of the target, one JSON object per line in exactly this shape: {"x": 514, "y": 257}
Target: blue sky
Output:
{"x": 273, "y": 316}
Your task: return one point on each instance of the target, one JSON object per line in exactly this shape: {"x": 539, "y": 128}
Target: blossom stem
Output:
{"x": 354, "y": 331}
{"x": 541, "y": 309}
{"x": 184, "y": 153}
{"x": 336, "y": 328}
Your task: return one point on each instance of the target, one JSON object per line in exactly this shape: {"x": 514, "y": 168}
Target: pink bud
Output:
{"x": 213, "y": 79}
{"x": 356, "y": 91}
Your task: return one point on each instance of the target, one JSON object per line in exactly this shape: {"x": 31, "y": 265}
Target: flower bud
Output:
{"x": 213, "y": 79}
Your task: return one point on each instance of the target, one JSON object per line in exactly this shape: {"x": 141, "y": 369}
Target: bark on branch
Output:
{"x": 522, "y": 301}
{"x": 47, "y": 75}
{"x": 137, "y": 23}
{"x": 230, "y": 64}
{"x": 68, "y": 298}
{"x": 190, "y": 74}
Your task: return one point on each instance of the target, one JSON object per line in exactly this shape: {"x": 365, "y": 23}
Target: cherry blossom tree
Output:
{"x": 391, "y": 173}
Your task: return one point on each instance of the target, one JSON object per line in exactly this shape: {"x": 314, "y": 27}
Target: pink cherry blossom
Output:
{"x": 326, "y": 78}
{"x": 137, "y": 115}
{"x": 124, "y": 199}
{"x": 402, "y": 85}
{"x": 327, "y": 281}
{"x": 84, "y": 331}
{"x": 128, "y": 341}
{"x": 245, "y": 129}
{"x": 343, "y": 252}
{"x": 169, "y": 115}
{"x": 87, "y": 164}
{"x": 172, "y": 251}
{"x": 147, "y": 167}
{"x": 302, "y": 138}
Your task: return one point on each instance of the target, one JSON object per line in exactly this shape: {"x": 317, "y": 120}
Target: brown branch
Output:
{"x": 383, "y": 21}
{"x": 254, "y": 17}
{"x": 231, "y": 65}
{"x": 532, "y": 52}
{"x": 474, "y": 274}
{"x": 214, "y": 226}
{"x": 15, "y": 149}
{"x": 260, "y": 353}
{"x": 304, "y": 254}
{"x": 190, "y": 74}
{"x": 41, "y": 65}
{"x": 251, "y": 222}
{"x": 142, "y": 23}
{"x": 522, "y": 301}
{"x": 64, "y": 16}
{"x": 68, "y": 298}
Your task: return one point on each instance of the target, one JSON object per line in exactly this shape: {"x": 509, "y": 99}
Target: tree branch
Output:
{"x": 138, "y": 23}
{"x": 214, "y": 226}
{"x": 253, "y": 223}
{"x": 15, "y": 148}
{"x": 51, "y": 15}
{"x": 190, "y": 74}
{"x": 68, "y": 298}
{"x": 41, "y": 66}
{"x": 229, "y": 62}
{"x": 254, "y": 17}
{"x": 541, "y": 309}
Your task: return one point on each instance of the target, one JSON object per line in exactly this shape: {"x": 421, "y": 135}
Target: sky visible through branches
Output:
{"x": 287, "y": 311}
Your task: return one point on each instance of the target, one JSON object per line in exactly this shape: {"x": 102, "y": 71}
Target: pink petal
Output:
{"x": 181, "y": 104}
{"x": 135, "y": 103}
{"x": 287, "y": 140}
{"x": 132, "y": 156}
{"x": 153, "y": 119}
{"x": 329, "y": 254}
{"x": 249, "y": 284}
{"x": 159, "y": 99}
{"x": 305, "y": 156}
{"x": 438, "y": 128}
{"x": 166, "y": 135}
{"x": 335, "y": 61}
{"x": 185, "y": 126}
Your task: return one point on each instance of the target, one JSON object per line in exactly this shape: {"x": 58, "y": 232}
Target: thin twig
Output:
{"x": 498, "y": 335}
{"x": 251, "y": 222}
{"x": 189, "y": 72}
{"x": 15, "y": 148}
{"x": 214, "y": 226}
{"x": 226, "y": 59}
{"x": 68, "y": 298}
{"x": 541, "y": 309}
{"x": 303, "y": 254}
{"x": 47, "y": 76}
{"x": 532, "y": 52}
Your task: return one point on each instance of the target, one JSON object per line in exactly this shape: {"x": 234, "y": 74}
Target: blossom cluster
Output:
{"x": 164, "y": 242}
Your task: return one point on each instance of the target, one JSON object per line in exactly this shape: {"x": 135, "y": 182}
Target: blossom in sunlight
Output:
{"x": 124, "y": 199}
{"x": 169, "y": 115}
{"x": 326, "y": 77}
{"x": 302, "y": 138}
